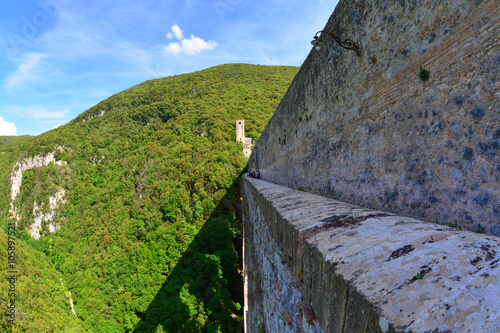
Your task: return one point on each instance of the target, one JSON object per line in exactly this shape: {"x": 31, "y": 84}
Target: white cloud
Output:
{"x": 7, "y": 128}
{"x": 176, "y": 31}
{"x": 25, "y": 72}
{"x": 191, "y": 46}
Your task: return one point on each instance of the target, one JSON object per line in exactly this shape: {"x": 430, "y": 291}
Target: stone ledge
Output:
{"x": 370, "y": 271}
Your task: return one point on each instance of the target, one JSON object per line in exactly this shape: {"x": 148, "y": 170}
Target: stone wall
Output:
{"x": 368, "y": 130}
{"x": 314, "y": 264}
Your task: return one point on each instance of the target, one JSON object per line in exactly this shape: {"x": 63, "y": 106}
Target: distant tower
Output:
{"x": 240, "y": 136}
{"x": 240, "y": 130}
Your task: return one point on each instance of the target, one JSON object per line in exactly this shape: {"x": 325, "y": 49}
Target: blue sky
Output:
{"x": 60, "y": 57}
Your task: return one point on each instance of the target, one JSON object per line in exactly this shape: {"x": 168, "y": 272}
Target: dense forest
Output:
{"x": 149, "y": 237}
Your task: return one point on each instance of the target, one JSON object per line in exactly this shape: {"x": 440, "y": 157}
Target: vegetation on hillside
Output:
{"x": 149, "y": 237}
{"x": 11, "y": 139}
{"x": 42, "y": 303}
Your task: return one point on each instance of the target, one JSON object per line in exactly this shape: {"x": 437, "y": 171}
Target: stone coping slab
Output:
{"x": 418, "y": 276}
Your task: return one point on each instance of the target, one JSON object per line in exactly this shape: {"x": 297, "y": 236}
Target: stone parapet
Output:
{"x": 315, "y": 264}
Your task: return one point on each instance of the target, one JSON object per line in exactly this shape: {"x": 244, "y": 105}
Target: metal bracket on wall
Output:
{"x": 348, "y": 44}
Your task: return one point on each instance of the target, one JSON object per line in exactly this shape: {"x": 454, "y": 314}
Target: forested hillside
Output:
{"x": 10, "y": 139}
{"x": 148, "y": 238}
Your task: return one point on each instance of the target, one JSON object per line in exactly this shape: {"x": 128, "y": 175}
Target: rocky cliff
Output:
{"x": 40, "y": 215}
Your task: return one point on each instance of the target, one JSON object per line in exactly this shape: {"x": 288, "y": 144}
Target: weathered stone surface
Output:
{"x": 369, "y": 131}
{"x": 275, "y": 301}
{"x": 361, "y": 270}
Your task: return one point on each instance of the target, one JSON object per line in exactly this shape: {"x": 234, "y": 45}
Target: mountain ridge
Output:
{"x": 147, "y": 171}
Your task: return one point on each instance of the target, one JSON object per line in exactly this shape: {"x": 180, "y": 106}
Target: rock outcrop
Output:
{"x": 98, "y": 114}
{"x": 16, "y": 180}
{"x": 40, "y": 216}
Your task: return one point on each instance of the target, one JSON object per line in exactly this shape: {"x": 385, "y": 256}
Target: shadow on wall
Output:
{"x": 204, "y": 291}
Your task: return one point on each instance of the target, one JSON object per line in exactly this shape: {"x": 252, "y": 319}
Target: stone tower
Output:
{"x": 240, "y": 130}
{"x": 240, "y": 136}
